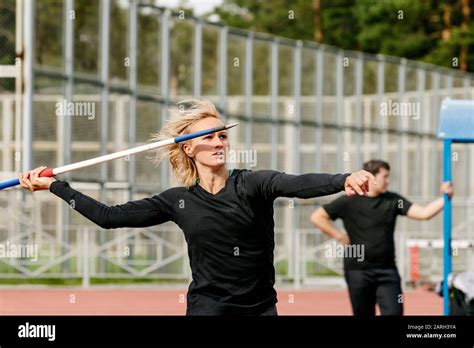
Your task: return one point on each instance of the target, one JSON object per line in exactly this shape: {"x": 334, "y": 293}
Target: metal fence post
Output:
{"x": 274, "y": 102}
{"x": 248, "y": 82}
{"x": 380, "y": 91}
{"x": 67, "y": 120}
{"x": 339, "y": 109}
{"x": 319, "y": 57}
{"x": 401, "y": 97}
{"x": 435, "y": 108}
{"x": 132, "y": 124}
{"x": 165, "y": 65}
{"x": 296, "y": 159}
{"x": 222, "y": 85}
{"x": 419, "y": 141}
{"x": 359, "y": 75}
{"x": 197, "y": 59}
{"x": 28, "y": 74}
{"x": 85, "y": 258}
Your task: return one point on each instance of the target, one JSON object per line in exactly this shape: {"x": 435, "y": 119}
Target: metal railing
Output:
{"x": 303, "y": 107}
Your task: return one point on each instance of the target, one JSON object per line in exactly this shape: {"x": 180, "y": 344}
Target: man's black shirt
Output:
{"x": 370, "y": 222}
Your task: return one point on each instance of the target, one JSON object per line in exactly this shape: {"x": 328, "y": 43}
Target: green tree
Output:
{"x": 454, "y": 35}
{"x": 435, "y": 31}
{"x": 287, "y": 18}
{"x": 48, "y": 30}
{"x": 393, "y": 27}
{"x": 339, "y": 23}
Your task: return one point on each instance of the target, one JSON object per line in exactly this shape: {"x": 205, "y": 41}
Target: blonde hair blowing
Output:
{"x": 181, "y": 120}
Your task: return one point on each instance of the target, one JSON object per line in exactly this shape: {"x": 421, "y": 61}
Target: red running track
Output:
{"x": 173, "y": 302}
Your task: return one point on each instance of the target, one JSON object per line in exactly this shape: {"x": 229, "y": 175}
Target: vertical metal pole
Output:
{"x": 132, "y": 110}
{"x": 197, "y": 58}
{"x": 289, "y": 225}
{"x": 121, "y": 169}
{"x": 274, "y": 102}
{"x": 339, "y": 108}
{"x": 467, "y": 86}
{"x": 7, "y": 125}
{"x": 104, "y": 108}
{"x": 19, "y": 79}
{"x": 297, "y": 106}
{"x": 165, "y": 54}
{"x": 223, "y": 69}
{"x": 248, "y": 82}
{"x": 28, "y": 78}
{"x": 296, "y": 157}
{"x": 436, "y": 109}
{"x": 359, "y": 76}
{"x": 67, "y": 130}
{"x": 449, "y": 84}
{"x": 319, "y": 106}
{"x": 380, "y": 92}
{"x": 401, "y": 98}
{"x": 85, "y": 258}
{"x": 104, "y": 95}
{"x": 69, "y": 72}
{"x": 467, "y": 148}
{"x": 427, "y": 143}
{"x": 421, "y": 75}
{"x": 447, "y": 211}
{"x": 20, "y": 28}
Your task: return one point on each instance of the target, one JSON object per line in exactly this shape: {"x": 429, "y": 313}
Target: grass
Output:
{"x": 281, "y": 268}
{"x": 93, "y": 281}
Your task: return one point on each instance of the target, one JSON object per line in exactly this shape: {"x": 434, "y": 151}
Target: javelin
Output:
{"x": 50, "y": 172}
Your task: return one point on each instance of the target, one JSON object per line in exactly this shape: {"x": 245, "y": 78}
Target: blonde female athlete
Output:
{"x": 220, "y": 211}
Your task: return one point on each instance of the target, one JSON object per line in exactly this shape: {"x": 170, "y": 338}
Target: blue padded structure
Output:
{"x": 457, "y": 120}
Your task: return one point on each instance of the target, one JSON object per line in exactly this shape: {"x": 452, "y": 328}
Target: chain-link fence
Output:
{"x": 302, "y": 107}
{"x": 7, "y": 43}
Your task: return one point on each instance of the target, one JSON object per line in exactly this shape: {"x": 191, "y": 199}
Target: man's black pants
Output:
{"x": 375, "y": 286}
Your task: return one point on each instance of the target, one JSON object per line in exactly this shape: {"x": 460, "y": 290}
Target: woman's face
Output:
{"x": 208, "y": 150}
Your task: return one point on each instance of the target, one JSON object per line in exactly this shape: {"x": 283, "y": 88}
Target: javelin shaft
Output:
{"x": 112, "y": 156}
{"x": 50, "y": 172}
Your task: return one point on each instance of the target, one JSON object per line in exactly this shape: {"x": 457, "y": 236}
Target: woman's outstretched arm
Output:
{"x": 272, "y": 184}
{"x": 141, "y": 213}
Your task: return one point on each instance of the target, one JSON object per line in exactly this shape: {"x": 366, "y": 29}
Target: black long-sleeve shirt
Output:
{"x": 370, "y": 222}
{"x": 230, "y": 234}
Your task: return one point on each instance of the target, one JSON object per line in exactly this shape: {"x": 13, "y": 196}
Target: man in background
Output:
{"x": 370, "y": 224}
